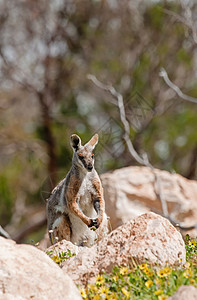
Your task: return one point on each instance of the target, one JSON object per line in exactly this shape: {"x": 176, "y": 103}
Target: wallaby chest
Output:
{"x": 85, "y": 194}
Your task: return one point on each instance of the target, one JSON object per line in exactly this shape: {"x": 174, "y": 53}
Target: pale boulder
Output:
{"x": 28, "y": 273}
{"x": 131, "y": 191}
{"x": 185, "y": 292}
{"x": 149, "y": 237}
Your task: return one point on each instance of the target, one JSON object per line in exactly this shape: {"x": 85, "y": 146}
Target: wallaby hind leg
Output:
{"x": 60, "y": 229}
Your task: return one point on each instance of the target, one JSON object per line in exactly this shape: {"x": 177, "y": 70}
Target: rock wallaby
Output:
{"x": 76, "y": 207}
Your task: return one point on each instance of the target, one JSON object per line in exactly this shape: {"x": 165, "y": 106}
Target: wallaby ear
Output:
{"x": 94, "y": 140}
{"x": 75, "y": 142}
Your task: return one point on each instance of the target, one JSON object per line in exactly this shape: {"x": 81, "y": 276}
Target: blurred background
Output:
{"x": 47, "y": 48}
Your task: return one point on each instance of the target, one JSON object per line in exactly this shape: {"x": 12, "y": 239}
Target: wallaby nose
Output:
{"x": 90, "y": 167}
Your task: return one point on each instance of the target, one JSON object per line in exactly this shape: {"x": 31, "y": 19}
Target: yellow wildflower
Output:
{"x": 113, "y": 297}
{"x": 56, "y": 259}
{"x": 146, "y": 271}
{"x": 164, "y": 272}
{"x": 188, "y": 273}
{"x": 92, "y": 287}
{"x": 115, "y": 278}
{"x": 149, "y": 273}
{"x": 162, "y": 297}
{"x": 161, "y": 273}
{"x": 192, "y": 243}
{"x": 187, "y": 265}
{"x": 158, "y": 281}
{"x": 104, "y": 290}
{"x": 167, "y": 270}
{"x": 192, "y": 281}
{"x": 108, "y": 297}
{"x": 123, "y": 270}
{"x": 100, "y": 279}
{"x": 125, "y": 292}
{"x": 143, "y": 266}
{"x": 158, "y": 292}
{"x": 83, "y": 293}
{"x": 148, "y": 283}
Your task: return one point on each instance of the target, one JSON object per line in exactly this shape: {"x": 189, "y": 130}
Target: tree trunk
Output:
{"x": 49, "y": 139}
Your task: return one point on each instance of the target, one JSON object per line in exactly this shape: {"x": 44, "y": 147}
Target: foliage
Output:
{"x": 58, "y": 258}
{"x": 145, "y": 281}
{"x": 56, "y": 255}
{"x": 191, "y": 249}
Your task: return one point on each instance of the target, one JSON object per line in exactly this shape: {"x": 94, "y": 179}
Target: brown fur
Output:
{"x": 71, "y": 195}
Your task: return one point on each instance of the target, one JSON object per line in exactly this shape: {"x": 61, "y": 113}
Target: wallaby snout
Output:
{"x": 90, "y": 167}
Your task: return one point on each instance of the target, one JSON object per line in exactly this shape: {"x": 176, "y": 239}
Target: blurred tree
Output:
{"x": 47, "y": 48}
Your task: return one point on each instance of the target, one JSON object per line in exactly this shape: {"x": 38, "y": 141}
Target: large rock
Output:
{"x": 185, "y": 292}
{"x": 130, "y": 191}
{"x": 28, "y": 273}
{"x": 148, "y": 237}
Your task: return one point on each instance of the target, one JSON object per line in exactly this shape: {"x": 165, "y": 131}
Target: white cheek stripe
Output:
{"x": 57, "y": 222}
{"x": 81, "y": 163}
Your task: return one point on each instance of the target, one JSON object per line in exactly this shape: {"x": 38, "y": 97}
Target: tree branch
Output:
{"x": 187, "y": 20}
{"x": 175, "y": 88}
{"x": 34, "y": 224}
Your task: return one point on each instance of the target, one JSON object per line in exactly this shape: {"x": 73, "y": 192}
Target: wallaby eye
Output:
{"x": 80, "y": 156}
{"x": 92, "y": 155}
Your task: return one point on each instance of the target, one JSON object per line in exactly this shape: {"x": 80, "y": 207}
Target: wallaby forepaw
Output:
{"x": 93, "y": 228}
{"x": 94, "y": 223}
